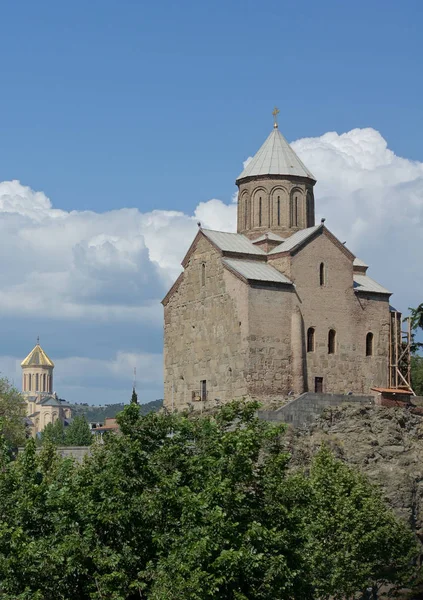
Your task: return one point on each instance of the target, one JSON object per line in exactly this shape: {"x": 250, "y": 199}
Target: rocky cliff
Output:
{"x": 384, "y": 443}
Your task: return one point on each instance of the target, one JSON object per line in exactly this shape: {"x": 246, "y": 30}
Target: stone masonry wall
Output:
{"x": 206, "y": 328}
{"x": 336, "y": 306}
{"x": 305, "y": 409}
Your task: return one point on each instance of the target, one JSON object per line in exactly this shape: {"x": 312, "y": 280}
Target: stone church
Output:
{"x": 280, "y": 307}
{"x": 43, "y": 406}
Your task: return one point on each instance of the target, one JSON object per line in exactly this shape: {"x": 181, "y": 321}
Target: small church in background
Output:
{"x": 43, "y": 404}
{"x": 279, "y": 308}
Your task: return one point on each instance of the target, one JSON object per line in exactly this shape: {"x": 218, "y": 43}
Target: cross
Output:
{"x": 38, "y": 339}
{"x": 275, "y": 113}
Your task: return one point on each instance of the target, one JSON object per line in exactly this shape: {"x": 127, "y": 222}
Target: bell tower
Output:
{"x": 37, "y": 373}
{"x": 275, "y": 190}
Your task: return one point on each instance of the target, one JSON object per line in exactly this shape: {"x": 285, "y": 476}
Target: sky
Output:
{"x": 124, "y": 123}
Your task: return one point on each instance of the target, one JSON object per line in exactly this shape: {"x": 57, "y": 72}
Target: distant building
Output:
{"x": 279, "y": 308}
{"x": 43, "y": 405}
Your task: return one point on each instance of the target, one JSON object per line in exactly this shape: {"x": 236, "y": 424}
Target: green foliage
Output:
{"x": 417, "y": 374}
{"x": 78, "y": 433}
{"x": 53, "y": 433}
{"x": 12, "y": 413}
{"x": 134, "y": 397}
{"x": 192, "y": 509}
{"x": 354, "y": 541}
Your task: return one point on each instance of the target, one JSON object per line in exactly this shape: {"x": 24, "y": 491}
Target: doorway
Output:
{"x": 318, "y": 385}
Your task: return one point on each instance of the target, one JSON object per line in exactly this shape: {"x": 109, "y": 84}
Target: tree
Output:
{"x": 354, "y": 542}
{"x": 12, "y": 414}
{"x": 134, "y": 397}
{"x": 417, "y": 374}
{"x": 416, "y": 317}
{"x": 53, "y": 433}
{"x": 192, "y": 509}
{"x": 78, "y": 433}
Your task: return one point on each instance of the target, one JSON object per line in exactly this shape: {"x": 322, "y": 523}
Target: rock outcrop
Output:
{"x": 384, "y": 443}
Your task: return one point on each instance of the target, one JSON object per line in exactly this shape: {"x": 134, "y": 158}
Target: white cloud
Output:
{"x": 113, "y": 268}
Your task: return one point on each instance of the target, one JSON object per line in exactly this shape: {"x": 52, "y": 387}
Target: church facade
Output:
{"x": 43, "y": 406}
{"x": 280, "y": 307}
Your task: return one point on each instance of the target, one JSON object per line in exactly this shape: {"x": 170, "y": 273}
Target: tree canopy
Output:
{"x": 12, "y": 414}
{"x": 193, "y": 509}
{"x": 416, "y": 316}
{"x": 77, "y": 433}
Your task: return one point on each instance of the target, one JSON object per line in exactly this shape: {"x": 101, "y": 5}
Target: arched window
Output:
{"x": 37, "y": 389}
{"x": 369, "y": 344}
{"x": 279, "y": 210}
{"x": 29, "y": 382}
{"x": 322, "y": 274}
{"x": 296, "y": 211}
{"x": 203, "y": 274}
{"x": 44, "y": 383}
{"x": 331, "y": 341}
{"x": 245, "y": 212}
{"x": 310, "y": 339}
{"x": 260, "y": 211}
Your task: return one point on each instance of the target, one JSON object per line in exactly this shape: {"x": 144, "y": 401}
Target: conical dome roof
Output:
{"x": 37, "y": 358}
{"x": 276, "y": 157}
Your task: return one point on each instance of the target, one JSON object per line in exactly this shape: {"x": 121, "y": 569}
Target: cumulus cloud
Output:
{"x": 95, "y": 273}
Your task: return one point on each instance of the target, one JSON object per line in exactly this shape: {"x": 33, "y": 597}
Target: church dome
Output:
{"x": 37, "y": 358}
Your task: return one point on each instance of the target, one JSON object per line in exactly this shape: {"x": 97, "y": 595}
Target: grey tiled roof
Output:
{"x": 273, "y": 237}
{"x": 276, "y": 157}
{"x": 232, "y": 242}
{"x": 359, "y": 263}
{"x": 255, "y": 271}
{"x": 364, "y": 283}
{"x": 295, "y": 239}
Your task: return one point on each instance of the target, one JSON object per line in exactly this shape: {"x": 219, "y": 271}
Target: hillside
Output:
{"x": 384, "y": 443}
{"x": 97, "y": 414}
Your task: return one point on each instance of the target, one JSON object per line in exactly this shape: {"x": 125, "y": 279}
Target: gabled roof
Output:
{"x": 296, "y": 239}
{"x": 273, "y": 237}
{"x": 50, "y": 401}
{"x": 252, "y": 270}
{"x": 364, "y": 283}
{"x": 359, "y": 263}
{"x": 37, "y": 358}
{"x": 276, "y": 157}
{"x": 301, "y": 237}
{"x": 232, "y": 242}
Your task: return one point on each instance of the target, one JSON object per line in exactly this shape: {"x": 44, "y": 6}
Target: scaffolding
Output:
{"x": 400, "y": 352}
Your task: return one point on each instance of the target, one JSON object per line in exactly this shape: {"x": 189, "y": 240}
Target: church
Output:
{"x": 43, "y": 406}
{"x": 277, "y": 309}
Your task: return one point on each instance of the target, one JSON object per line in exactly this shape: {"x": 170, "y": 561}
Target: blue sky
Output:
{"x": 108, "y": 106}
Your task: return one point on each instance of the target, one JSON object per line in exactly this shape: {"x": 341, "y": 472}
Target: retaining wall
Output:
{"x": 306, "y": 408}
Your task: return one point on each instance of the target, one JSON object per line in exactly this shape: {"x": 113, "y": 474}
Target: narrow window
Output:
{"x": 44, "y": 382}
{"x": 29, "y": 382}
{"x": 279, "y": 210}
{"x": 331, "y": 341}
{"x": 245, "y": 212}
{"x": 203, "y": 390}
{"x": 36, "y": 383}
{"x": 260, "y": 211}
{"x": 369, "y": 344}
{"x": 310, "y": 339}
{"x": 203, "y": 274}
{"x": 296, "y": 211}
{"x": 322, "y": 274}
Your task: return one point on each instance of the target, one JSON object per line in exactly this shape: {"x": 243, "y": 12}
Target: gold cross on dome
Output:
{"x": 275, "y": 113}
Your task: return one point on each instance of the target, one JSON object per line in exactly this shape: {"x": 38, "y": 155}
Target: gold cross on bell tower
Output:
{"x": 275, "y": 113}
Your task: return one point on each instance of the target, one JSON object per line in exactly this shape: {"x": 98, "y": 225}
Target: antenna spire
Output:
{"x": 275, "y": 113}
